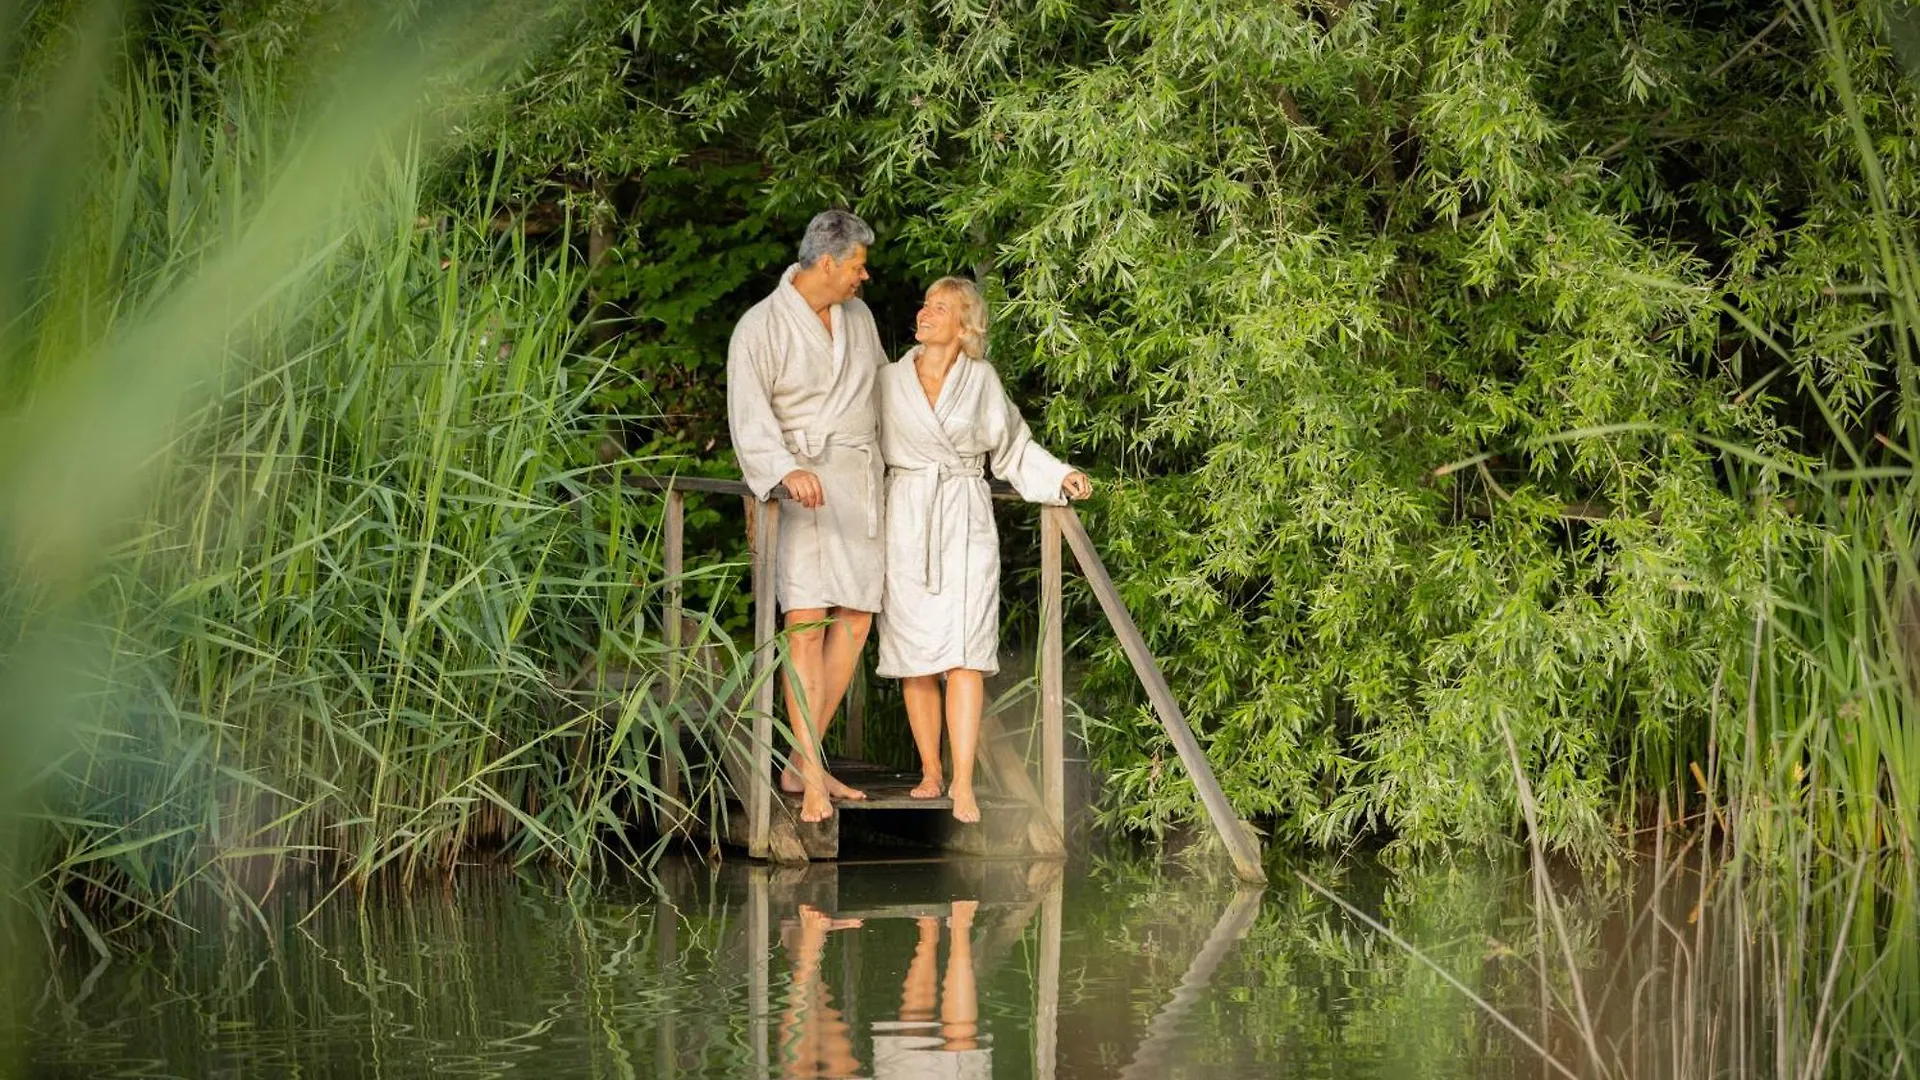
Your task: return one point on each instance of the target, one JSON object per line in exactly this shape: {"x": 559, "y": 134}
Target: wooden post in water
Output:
{"x": 759, "y": 793}
{"x": 673, "y": 560}
{"x": 1046, "y": 997}
{"x": 759, "y": 961}
{"x": 1053, "y": 676}
{"x": 1236, "y": 834}
{"x": 666, "y": 935}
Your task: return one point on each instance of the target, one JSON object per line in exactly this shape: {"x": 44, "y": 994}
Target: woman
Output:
{"x": 943, "y": 417}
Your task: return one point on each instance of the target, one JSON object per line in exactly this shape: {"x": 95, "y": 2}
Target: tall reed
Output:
{"x": 312, "y": 563}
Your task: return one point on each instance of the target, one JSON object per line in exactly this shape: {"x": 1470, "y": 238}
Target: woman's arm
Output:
{"x": 1016, "y": 458}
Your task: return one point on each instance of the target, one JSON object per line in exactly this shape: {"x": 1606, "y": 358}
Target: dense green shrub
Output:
{"x": 1398, "y": 334}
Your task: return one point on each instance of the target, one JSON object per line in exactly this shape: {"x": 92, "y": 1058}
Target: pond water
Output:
{"x": 919, "y": 969}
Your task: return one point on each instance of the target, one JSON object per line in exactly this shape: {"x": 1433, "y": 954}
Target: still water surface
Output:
{"x": 932, "y": 969}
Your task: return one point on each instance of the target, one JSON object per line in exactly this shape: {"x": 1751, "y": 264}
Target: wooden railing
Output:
{"x": 1056, "y": 523}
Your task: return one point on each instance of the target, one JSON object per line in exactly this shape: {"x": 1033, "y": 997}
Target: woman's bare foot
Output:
{"x": 964, "y": 807}
{"x": 931, "y": 785}
{"x": 962, "y": 916}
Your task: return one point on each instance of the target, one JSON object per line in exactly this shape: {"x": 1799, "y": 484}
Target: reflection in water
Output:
{"x": 948, "y": 969}
{"x": 936, "y": 1033}
{"x": 929, "y": 969}
{"x": 813, "y": 1032}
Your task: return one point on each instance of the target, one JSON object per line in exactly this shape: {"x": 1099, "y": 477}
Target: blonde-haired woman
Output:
{"x": 944, "y": 419}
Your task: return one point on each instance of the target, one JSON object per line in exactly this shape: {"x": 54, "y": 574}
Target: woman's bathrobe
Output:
{"x": 942, "y": 605}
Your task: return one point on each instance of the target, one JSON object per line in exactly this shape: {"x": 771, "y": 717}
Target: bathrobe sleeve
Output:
{"x": 753, "y": 364}
{"x": 1015, "y": 457}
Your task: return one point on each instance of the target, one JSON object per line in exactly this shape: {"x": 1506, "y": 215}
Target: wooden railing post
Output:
{"x": 673, "y": 559}
{"x": 856, "y": 738}
{"x": 759, "y": 793}
{"x": 1053, "y": 720}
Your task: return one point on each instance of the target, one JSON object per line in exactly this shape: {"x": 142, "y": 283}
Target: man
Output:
{"x": 800, "y": 403}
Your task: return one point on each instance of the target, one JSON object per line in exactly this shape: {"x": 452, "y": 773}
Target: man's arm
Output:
{"x": 764, "y": 459}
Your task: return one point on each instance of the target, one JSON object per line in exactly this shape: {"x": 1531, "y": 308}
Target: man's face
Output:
{"x": 847, "y": 275}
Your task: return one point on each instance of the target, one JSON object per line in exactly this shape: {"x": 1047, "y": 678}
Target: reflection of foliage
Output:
{"x": 609, "y": 981}
{"x": 1309, "y": 989}
{"x": 502, "y": 971}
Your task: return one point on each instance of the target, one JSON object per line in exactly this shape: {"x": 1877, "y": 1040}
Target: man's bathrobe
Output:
{"x": 798, "y": 398}
{"x": 942, "y": 606}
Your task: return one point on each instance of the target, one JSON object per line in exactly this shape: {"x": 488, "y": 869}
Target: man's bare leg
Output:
{"x": 806, "y": 667}
{"x": 846, "y": 635}
{"x": 922, "y": 694}
{"x": 920, "y": 993}
{"x": 814, "y": 1034}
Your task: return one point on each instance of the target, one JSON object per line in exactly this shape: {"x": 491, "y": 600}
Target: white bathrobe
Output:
{"x": 942, "y": 605}
{"x": 798, "y": 398}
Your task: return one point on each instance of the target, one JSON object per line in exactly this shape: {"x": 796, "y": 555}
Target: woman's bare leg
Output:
{"x": 922, "y": 693}
{"x": 959, "y": 1003}
{"x": 966, "y": 696}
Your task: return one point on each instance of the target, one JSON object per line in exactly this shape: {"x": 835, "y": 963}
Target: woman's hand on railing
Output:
{"x": 1077, "y": 485}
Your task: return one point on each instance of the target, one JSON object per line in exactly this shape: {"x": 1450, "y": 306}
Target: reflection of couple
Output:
{"x": 938, "y": 1032}
{"x": 886, "y": 463}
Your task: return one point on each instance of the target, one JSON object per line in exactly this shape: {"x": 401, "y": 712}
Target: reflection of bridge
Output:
{"x": 1009, "y": 895}
{"x": 1029, "y": 814}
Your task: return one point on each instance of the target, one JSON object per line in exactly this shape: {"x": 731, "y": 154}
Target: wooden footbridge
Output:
{"x": 1022, "y": 812}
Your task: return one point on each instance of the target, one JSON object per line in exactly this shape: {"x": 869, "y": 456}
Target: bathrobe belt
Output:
{"x": 970, "y": 468}
{"x": 809, "y": 448}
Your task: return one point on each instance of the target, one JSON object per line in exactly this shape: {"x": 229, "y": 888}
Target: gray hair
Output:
{"x": 835, "y": 233}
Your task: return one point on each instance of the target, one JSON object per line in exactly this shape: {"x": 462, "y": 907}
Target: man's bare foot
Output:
{"x": 815, "y": 806}
{"x": 791, "y": 783}
{"x": 964, "y": 807}
{"x": 931, "y": 785}
{"x": 838, "y": 790}
{"x": 813, "y": 917}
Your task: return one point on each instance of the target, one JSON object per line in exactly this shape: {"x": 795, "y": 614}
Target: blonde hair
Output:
{"x": 972, "y": 313}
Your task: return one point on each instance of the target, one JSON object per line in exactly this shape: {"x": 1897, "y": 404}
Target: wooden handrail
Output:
{"x": 1235, "y": 833}
{"x": 999, "y": 489}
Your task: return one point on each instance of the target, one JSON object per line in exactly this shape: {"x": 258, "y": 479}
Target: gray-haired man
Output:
{"x": 800, "y": 378}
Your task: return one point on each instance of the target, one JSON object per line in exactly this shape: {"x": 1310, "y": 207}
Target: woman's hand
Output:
{"x": 1076, "y": 485}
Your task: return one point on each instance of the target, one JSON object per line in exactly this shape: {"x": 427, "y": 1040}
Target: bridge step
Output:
{"x": 1002, "y": 829}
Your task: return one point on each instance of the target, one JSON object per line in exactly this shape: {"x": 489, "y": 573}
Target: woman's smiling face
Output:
{"x": 938, "y": 322}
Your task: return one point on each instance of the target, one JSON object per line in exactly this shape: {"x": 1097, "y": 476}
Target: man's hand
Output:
{"x": 1077, "y": 485}
{"x": 805, "y": 489}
